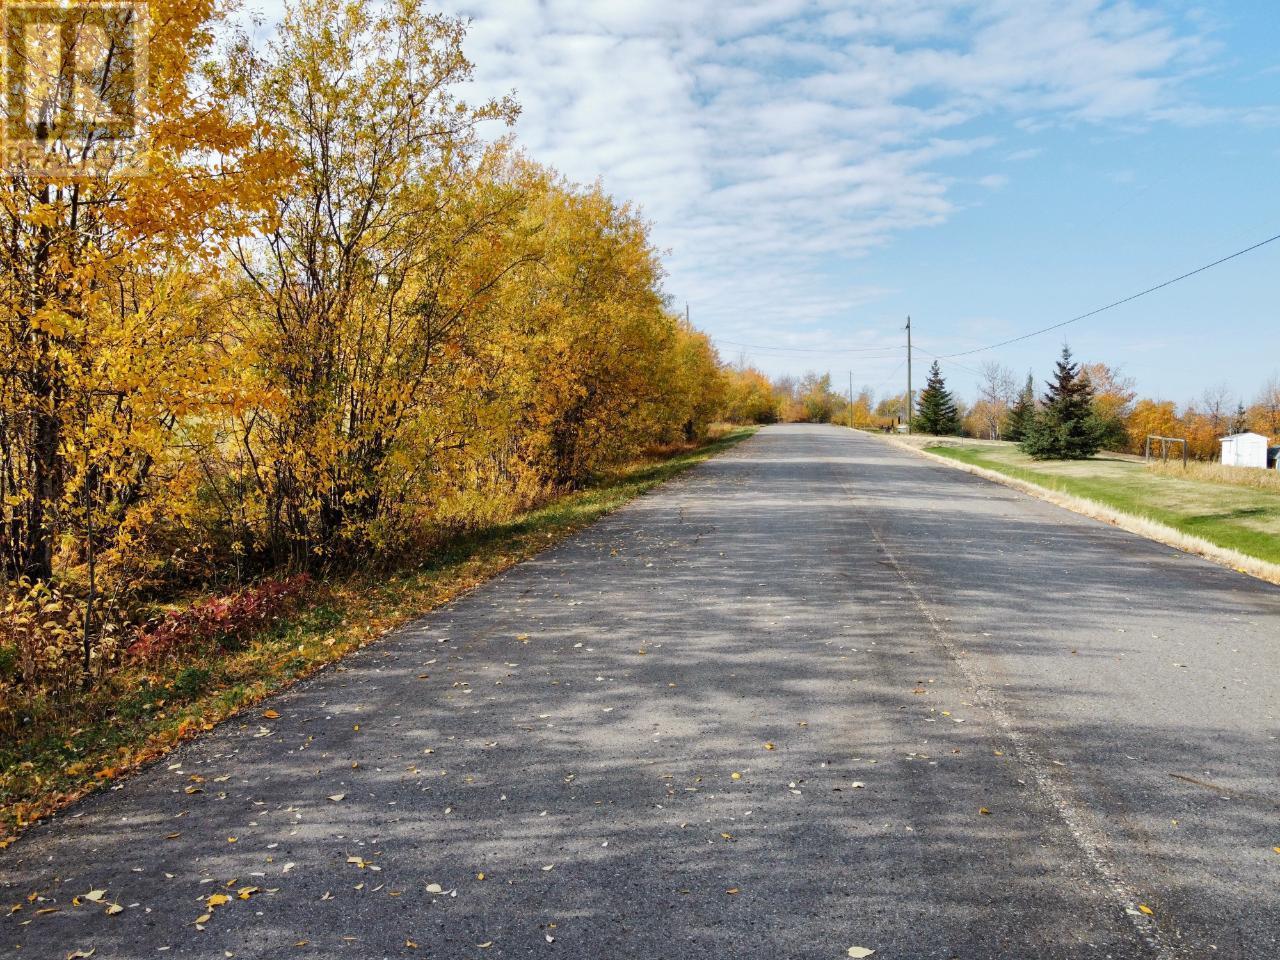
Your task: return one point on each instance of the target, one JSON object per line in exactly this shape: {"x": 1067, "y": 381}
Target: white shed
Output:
{"x": 1244, "y": 450}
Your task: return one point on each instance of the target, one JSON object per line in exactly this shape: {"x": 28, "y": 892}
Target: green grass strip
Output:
{"x": 1233, "y": 517}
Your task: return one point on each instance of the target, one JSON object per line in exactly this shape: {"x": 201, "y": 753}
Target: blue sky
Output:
{"x": 817, "y": 170}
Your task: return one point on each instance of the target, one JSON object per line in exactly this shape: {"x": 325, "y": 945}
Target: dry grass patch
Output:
{"x": 1216, "y": 473}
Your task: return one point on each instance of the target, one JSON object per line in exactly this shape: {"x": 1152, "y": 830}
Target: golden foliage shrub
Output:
{"x": 42, "y": 640}
{"x": 373, "y": 329}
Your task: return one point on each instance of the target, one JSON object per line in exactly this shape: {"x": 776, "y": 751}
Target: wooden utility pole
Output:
{"x": 911, "y": 404}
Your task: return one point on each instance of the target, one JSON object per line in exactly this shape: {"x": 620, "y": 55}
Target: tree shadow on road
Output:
{"x": 572, "y": 731}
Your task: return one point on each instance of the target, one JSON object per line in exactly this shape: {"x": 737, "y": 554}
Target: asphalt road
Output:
{"x": 817, "y": 694}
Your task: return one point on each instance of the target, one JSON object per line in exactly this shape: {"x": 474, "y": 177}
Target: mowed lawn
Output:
{"x": 1236, "y": 517}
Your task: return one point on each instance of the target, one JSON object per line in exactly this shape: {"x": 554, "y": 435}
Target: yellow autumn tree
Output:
{"x": 749, "y": 396}
{"x": 692, "y": 385}
{"x": 1113, "y": 402}
{"x": 591, "y": 336}
{"x": 352, "y": 313}
{"x": 317, "y": 319}
{"x": 1153, "y": 418}
{"x": 1264, "y": 413}
{"x": 105, "y": 257}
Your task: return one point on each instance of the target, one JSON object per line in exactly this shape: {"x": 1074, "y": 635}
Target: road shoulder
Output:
{"x": 1131, "y": 523}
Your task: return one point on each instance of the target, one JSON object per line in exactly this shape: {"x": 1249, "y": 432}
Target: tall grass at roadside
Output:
{"x": 1252, "y": 477}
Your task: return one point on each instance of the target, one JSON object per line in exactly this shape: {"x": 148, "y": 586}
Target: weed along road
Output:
{"x": 818, "y": 694}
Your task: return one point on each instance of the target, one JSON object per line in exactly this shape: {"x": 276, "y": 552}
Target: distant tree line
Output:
{"x": 1083, "y": 408}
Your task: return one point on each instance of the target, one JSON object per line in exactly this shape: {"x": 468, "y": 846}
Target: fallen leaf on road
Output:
{"x": 217, "y": 900}
{"x": 113, "y": 909}
{"x": 337, "y": 797}
{"x": 81, "y": 954}
{"x": 434, "y": 888}
{"x": 1147, "y": 910}
{"x": 733, "y": 891}
{"x": 95, "y": 896}
{"x": 271, "y": 714}
{"x": 770, "y": 746}
{"x": 984, "y": 811}
{"x": 859, "y": 952}
{"x": 735, "y": 775}
{"x": 549, "y": 866}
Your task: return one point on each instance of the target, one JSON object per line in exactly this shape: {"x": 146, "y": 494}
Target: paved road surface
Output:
{"x": 967, "y": 724}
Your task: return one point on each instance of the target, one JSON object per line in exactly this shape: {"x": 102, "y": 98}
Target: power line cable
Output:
{"x": 1117, "y": 303}
{"x": 951, "y": 357}
{"x": 886, "y": 352}
{"x": 954, "y": 363}
{"x": 896, "y": 371}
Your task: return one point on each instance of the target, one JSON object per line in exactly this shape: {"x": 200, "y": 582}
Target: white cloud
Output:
{"x": 773, "y": 141}
{"x": 1026, "y": 153}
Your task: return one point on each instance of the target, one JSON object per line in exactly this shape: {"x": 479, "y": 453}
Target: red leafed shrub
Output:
{"x": 221, "y": 622}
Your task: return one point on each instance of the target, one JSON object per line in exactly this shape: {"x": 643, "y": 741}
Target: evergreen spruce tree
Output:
{"x": 1240, "y": 422}
{"x": 1066, "y": 427}
{"x": 1021, "y": 413}
{"x": 936, "y": 411}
